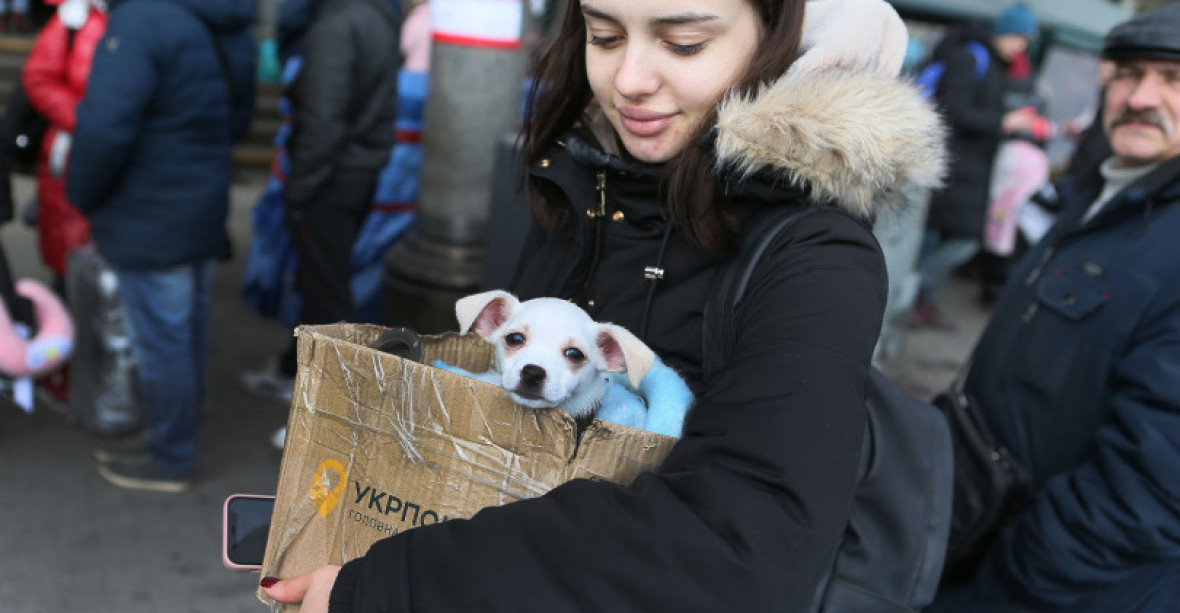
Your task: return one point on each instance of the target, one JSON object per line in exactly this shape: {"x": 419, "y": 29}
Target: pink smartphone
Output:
{"x": 245, "y": 522}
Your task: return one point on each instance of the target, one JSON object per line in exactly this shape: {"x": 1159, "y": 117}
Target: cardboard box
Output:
{"x": 378, "y": 444}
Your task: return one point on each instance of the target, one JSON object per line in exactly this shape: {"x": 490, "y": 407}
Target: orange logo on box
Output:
{"x": 329, "y": 486}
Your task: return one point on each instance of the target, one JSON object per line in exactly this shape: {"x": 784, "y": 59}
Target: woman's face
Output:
{"x": 658, "y": 67}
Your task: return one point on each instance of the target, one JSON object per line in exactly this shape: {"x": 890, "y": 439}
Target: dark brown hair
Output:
{"x": 561, "y": 92}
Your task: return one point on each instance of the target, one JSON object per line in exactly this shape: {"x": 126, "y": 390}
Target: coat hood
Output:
{"x": 854, "y": 139}
{"x": 223, "y": 15}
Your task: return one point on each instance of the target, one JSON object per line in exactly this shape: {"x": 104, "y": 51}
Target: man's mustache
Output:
{"x": 1149, "y": 116}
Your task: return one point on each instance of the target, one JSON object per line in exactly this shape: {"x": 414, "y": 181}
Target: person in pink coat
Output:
{"x": 54, "y": 78}
{"x": 416, "y": 37}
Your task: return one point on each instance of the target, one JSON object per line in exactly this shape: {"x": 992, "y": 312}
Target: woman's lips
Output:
{"x": 644, "y": 123}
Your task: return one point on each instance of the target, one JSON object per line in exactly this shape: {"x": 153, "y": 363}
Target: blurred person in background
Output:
{"x": 54, "y": 79}
{"x": 1021, "y": 168}
{"x": 344, "y": 106}
{"x": 55, "y": 76}
{"x": 974, "y": 107}
{"x": 171, "y": 91}
{"x": 1078, "y": 371}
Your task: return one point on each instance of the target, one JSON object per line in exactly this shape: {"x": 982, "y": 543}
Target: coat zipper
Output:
{"x": 597, "y": 215}
{"x": 1032, "y": 277}
{"x": 600, "y": 187}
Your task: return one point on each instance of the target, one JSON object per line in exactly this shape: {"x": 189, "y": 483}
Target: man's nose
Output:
{"x": 1146, "y": 93}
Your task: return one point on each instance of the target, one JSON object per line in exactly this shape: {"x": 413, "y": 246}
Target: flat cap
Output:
{"x": 1153, "y": 34}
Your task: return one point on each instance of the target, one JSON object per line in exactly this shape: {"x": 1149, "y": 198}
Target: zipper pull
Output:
{"x": 1029, "y": 312}
{"x": 1035, "y": 273}
{"x": 601, "y": 189}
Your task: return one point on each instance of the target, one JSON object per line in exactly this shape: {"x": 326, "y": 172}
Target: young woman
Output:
{"x": 661, "y": 130}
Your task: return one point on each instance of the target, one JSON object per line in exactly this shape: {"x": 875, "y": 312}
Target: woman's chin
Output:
{"x": 649, "y": 150}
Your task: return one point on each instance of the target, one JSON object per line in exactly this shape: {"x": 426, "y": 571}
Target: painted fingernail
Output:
{"x": 268, "y": 581}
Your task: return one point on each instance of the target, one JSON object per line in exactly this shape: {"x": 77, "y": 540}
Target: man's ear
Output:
{"x": 624, "y": 352}
{"x": 484, "y": 313}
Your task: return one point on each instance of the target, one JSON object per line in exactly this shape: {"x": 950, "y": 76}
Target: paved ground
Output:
{"x": 71, "y": 542}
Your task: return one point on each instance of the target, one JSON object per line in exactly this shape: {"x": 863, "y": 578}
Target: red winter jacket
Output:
{"x": 54, "y": 77}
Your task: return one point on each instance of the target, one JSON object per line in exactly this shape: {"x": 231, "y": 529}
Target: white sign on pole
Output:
{"x": 477, "y": 23}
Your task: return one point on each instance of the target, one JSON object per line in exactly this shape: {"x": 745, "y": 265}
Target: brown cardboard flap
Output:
{"x": 377, "y": 444}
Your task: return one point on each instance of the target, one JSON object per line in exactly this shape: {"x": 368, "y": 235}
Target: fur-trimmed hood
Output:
{"x": 855, "y": 139}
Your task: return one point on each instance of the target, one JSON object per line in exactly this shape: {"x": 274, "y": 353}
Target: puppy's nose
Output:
{"x": 532, "y": 375}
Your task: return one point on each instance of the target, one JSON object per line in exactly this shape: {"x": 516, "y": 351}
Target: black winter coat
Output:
{"x": 748, "y": 510}
{"x": 345, "y": 96}
{"x": 974, "y": 109}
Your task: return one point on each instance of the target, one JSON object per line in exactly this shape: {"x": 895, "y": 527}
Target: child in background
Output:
{"x": 1021, "y": 168}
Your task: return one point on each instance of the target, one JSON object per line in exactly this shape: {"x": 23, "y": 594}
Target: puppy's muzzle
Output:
{"x": 532, "y": 380}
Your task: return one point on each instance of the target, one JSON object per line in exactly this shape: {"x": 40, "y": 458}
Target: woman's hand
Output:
{"x": 312, "y": 589}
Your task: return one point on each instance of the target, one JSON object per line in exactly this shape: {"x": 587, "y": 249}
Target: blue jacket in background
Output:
{"x": 152, "y": 158}
{"x": 1078, "y": 373}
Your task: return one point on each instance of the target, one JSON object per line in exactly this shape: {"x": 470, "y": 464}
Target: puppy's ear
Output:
{"x": 485, "y": 312}
{"x": 624, "y": 352}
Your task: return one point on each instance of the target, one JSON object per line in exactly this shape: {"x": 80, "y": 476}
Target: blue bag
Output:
{"x": 927, "y": 80}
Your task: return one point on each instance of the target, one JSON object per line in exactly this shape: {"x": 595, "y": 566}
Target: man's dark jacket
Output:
{"x": 1078, "y": 373}
{"x": 152, "y": 156}
{"x": 974, "y": 109}
{"x": 345, "y": 96}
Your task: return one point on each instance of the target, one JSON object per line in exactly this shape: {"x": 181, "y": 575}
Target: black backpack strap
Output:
{"x": 732, "y": 279}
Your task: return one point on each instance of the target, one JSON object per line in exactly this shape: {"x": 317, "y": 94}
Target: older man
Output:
{"x": 1078, "y": 372}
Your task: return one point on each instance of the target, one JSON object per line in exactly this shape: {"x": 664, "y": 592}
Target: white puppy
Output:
{"x": 549, "y": 352}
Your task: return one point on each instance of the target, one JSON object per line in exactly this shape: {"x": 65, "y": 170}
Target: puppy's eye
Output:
{"x": 575, "y": 355}
{"x": 515, "y": 339}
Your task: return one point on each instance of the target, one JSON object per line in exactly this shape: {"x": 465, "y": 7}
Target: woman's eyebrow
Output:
{"x": 590, "y": 11}
{"x": 669, "y": 20}
{"x": 682, "y": 19}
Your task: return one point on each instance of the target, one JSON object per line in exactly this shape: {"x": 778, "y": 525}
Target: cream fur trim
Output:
{"x": 855, "y": 138}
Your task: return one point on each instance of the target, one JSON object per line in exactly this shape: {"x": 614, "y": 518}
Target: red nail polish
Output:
{"x": 268, "y": 581}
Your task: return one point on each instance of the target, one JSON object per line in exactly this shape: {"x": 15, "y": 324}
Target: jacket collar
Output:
{"x": 849, "y": 139}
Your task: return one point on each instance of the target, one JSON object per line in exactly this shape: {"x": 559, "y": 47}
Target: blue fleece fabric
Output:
{"x": 659, "y": 405}
{"x": 667, "y": 395}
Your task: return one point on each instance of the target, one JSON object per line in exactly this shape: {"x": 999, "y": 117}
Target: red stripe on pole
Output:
{"x": 474, "y": 41}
